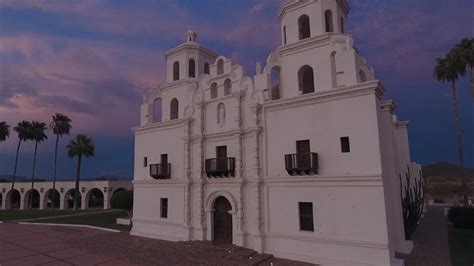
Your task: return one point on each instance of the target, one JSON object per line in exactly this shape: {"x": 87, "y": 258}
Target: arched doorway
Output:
{"x": 222, "y": 221}
{"x": 51, "y": 199}
{"x": 13, "y": 199}
{"x": 69, "y": 199}
{"x": 32, "y": 199}
{"x": 95, "y": 199}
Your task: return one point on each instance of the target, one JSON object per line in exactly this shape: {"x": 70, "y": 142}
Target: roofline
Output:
{"x": 344, "y": 4}
{"x": 189, "y": 46}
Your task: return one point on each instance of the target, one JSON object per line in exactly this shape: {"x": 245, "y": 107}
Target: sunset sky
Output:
{"x": 93, "y": 60}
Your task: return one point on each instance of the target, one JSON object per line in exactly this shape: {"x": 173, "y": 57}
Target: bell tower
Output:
{"x": 302, "y": 19}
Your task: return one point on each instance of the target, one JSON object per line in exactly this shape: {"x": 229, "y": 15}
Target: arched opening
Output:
{"x": 69, "y": 199}
{"x": 213, "y": 90}
{"x": 306, "y": 79}
{"x": 333, "y": 70}
{"x": 328, "y": 21}
{"x": 220, "y": 67}
{"x": 284, "y": 35}
{"x": 13, "y": 199}
{"x": 222, "y": 221}
{"x": 343, "y": 27}
{"x": 304, "y": 27}
{"x": 362, "y": 76}
{"x": 206, "y": 68}
{"x": 118, "y": 190}
{"x": 176, "y": 71}
{"x": 192, "y": 68}
{"x": 275, "y": 83}
{"x": 51, "y": 199}
{"x": 174, "y": 109}
{"x": 227, "y": 87}
{"x": 95, "y": 198}
{"x": 1, "y": 201}
{"x": 157, "y": 114}
{"x": 32, "y": 199}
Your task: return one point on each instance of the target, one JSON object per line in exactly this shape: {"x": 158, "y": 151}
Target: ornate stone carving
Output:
{"x": 221, "y": 114}
{"x": 246, "y": 84}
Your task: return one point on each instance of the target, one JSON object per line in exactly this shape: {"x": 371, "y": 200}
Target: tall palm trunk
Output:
{"x": 78, "y": 173}
{"x": 14, "y": 172}
{"x": 458, "y": 139}
{"x": 30, "y": 199}
{"x": 54, "y": 172}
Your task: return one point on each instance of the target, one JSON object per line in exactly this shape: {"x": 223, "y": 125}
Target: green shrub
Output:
{"x": 122, "y": 200}
{"x": 462, "y": 217}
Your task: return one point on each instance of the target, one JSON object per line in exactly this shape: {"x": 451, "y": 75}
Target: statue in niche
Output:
{"x": 220, "y": 114}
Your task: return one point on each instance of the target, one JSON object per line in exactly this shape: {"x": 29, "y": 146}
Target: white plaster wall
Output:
{"x": 323, "y": 124}
{"x": 159, "y": 141}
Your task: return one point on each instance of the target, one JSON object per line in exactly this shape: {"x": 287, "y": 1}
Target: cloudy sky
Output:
{"x": 94, "y": 59}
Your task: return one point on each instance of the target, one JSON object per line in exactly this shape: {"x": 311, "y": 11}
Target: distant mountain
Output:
{"x": 445, "y": 169}
{"x": 8, "y": 178}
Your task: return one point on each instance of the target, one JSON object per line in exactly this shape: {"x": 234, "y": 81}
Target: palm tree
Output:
{"x": 4, "y": 131}
{"x": 22, "y": 129}
{"x": 466, "y": 50}
{"x": 61, "y": 125}
{"x": 449, "y": 69}
{"x": 38, "y": 135}
{"x": 80, "y": 146}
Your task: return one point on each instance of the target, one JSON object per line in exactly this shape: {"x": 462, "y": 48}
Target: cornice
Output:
{"x": 159, "y": 126}
{"x": 160, "y": 183}
{"x": 291, "y": 5}
{"x": 309, "y": 43}
{"x": 189, "y": 46}
{"x": 177, "y": 83}
{"x": 366, "y": 88}
{"x": 388, "y": 105}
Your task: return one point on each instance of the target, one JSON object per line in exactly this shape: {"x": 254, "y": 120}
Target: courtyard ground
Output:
{"x": 431, "y": 240}
{"x": 58, "y": 245}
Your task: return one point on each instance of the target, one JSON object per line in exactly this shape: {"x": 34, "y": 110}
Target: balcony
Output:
{"x": 160, "y": 171}
{"x": 220, "y": 167}
{"x": 302, "y": 163}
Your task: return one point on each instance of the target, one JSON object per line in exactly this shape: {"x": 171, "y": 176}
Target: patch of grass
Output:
{"x": 13, "y": 215}
{"x": 461, "y": 246}
{"x": 107, "y": 220}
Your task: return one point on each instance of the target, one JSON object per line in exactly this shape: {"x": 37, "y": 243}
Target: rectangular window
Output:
{"x": 306, "y": 216}
{"x": 164, "y": 208}
{"x": 145, "y": 161}
{"x": 345, "y": 145}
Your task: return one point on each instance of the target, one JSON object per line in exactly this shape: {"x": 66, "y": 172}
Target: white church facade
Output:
{"x": 301, "y": 161}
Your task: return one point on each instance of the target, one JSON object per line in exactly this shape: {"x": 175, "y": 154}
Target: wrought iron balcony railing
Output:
{"x": 220, "y": 167}
{"x": 160, "y": 171}
{"x": 302, "y": 163}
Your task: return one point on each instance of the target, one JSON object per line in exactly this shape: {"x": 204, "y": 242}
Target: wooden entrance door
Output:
{"x": 222, "y": 221}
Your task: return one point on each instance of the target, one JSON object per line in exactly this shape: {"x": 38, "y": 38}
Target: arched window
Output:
{"x": 306, "y": 79}
{"x": 206, "y": 68}
{"x": 275, "y": 79}
{"x": 304, "y": 28}
{"x": 213, "y": 90}
{"x": 220, "y": 67}
{"x": 174, "y": 109}
{"x": 328, "y": 21}
{"x": 176, "y": 71}
{"x": 342, "y": 25}
{"x": 284, "y": 35}
{"x": 157, "y": 111}
{"x": 362, "y": 76}
{"x": 227, "y": 87}
{"x": 333, "y": 70}
{"x": 192, "y": 68}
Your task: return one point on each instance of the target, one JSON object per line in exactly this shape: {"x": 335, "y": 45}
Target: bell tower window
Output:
{"x": 306, "y": 79}
{"x": 304, "y": 27}
{"x": 176, "y": 71}
{"x": 174, "y": 107}
{"x": 220, "y": 67}
{"x": 328, "y": 21}
{"x": 206, "y": 68}
{"x": 192, "y": 68}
